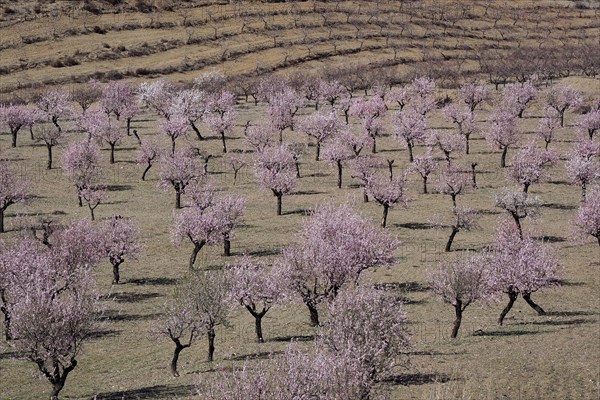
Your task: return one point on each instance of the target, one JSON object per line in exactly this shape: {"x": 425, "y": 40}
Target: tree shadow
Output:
{"x": 307, "y": 192}
{"x": 262, "y": 355}
{"x": 8, "y": 355}
{"x": 556, "y": 206}
{"x": 507, "y": 333}
{"x": 153, "y": 281}
{"x": 130, "y": 297}
{"x": 414, "y": 225}
{"x": 551, "y": 239}
{"x": 402, "y": 286}
{"x": 101, "y": 334}
{"x": 116, "y": 316}
{"x": 315, "y": 175}
{"x": 118, "y": 188}
{"x": 560, "y": 182}
{"x": 417, "y": 379}
{"x": 570, "y": 313}
{"x": 301, "y": 211}
{"x": 265, "y": 252}
{"x": 150, "y": 392}
{"x": 563, "y": 282}
{"x": 293, "y": 338}
{"x": 576, "y": 321}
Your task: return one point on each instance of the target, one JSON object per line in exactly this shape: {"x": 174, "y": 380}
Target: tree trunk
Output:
{"x": 532, "y": 304}
{"x": 226, "y": 246}
{"x": 424, "y": 185}
{"x": 211, "y": 344}
{"x": 116, "y": 274}
{"x": 297, "y": 169}
{"x": 2, "y": 220}
{"x": 56, "y": 388}
{"x": 453, "y": 196}
{"x": 365, "y": 196}
{"x": 451, "y": 238}
{"x": 129, "y": 126}
{"x": 146, "y": 171}
{"x": 279, "y": 196}
{"x": 223, "y": 140}
{"x": 14, "y": 137}
{"x": 562, "y": 118}
{"x": 386, "y": 208}
{"x": 391, "y": 168}
{"x": 197, "y": 248}
{"x": 178, "y": 348}
{"x": 280, "y": 136}
{"x": 512, "y": 295}
{"x": 339, "y": 180}
{"x": 518, "y": 222}
{"x": 503, "y": 159}
{"x": 474, "y": 175}
{"x": 112, "y": 153}
{"x": 80, "y": 200}
{"x": 466, "y": 145}
{"x": 49, "y": 147}
{"x": 410, "y": 152}
{"x": 137, "y": 137}
{"x": 374, "y": 146}
{"x": 177, "y": 198}
{"x": 583, "y": 191}
{"x": 92, "y": 212}
{"x": 314, "y": 314}
{"x": 318, "y": 151}
{"x": 55, "y": 122}
{"x": 458, "y": 310}
{"x": 172, "y": 146}
{"x": 6, "y": 312}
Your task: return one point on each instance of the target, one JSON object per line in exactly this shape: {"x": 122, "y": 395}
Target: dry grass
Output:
{"x": 552, "y": 357}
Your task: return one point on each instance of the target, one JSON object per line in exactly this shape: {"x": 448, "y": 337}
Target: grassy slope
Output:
{"x": 530, "y": 357}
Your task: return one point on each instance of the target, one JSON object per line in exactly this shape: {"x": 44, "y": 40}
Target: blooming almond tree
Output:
{"x": 464, "y": 120}
{"x": 178, "y": 171}
{"x": 283, "y": 106}
{"x": 51, "y": 138}
{"x": 517, "y": 96}
{"x": 102, "y": 128}
{"x": 232, "y": 210}
{"x": 582, "y": 166}
{"x": 388, "y": 193}
{"x": 255, "y": 287}
{"x": 276, "y": 171}
{"x": 529, "y": 165}
{"x": 333, "y": 248}
{"x": 174, "y": 127}
{"x": 93, "y": 195}
{"x": 337, "y": 152}
{"x": 521, "y": 265}
{"x": 519, "y": 205}
{"x": 452, "y": 182}
{"x": 503, "y": 132}
{"x": 158, "y": 96}
{"x": 409, "y": 126}
{"x": 120, "y": 239}
{"x": 15, "y": 117}
{"x": 589, "y": 123}
{"x": 563, "y": 98}
{"x": 219, "y": 115}
{"x": 236, "y": 161}
{"x": 259, "y": 136}
{"x": 473, "y": 94}
{"x": 322, "y": 126}
{"x": 13, "y": 189}
{"x": 81, "y": 163}
{"x": 54, "y": 104}
{"x": 461, "y": 282}
{"x": 446, "y": 142}
{"x": 422, "y": 95}
{"x": 424, "y": 166}
{"x": 370, "y": 112}
{"x": 118, "y": 98}
{"x": 548, "y": 126}
{"x": 148, "y": 153}
{"x": 587, "y": 220}
{"x": 190, "y": 103}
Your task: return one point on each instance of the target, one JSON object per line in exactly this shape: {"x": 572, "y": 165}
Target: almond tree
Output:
{"x": 337, "y": 152}
{"x": 461, "y": 282}
{"x": 464, "y": 120}
{"x": 178, "y": 171}
{"x": 54, "y": 104}
{"x": 174, "y": 127}
{"x": 425, "y": 166}
{"x": 387, "y": 193}
{"x": 333, "y": 248}
{"x": 452, "y": 182}
{"x": 519, "y": 205}
{"x": 86, "y": 94}
{"x": 548, "y": 126}
{"x": 582, "y": 166}
{"x": 363, "y": 169}
{"x": 473, "y": 94}
{"x": 259, "y": 136}
{"x": 100, "y": 127}
{"x": 119, "y": 239}
{"x": 255, "y": 287}
{"x": 356, "y": 141}
{"x": 232, "y": 210}
{"x": 190, "y": 104}
{"x": 15, "y": 117}
{"x": 148, "y": 153}
{"x": 283, "y": 106}
{"x": 236, "y": 161}
{"x": 464, "y": 219}
{"x": 446, "y": 142}
{"x": 587, "y": 220}
{"x": 516, "y": 97}
{"x": 563, "y": 98}
{"x": 370, "y": 112}
{"x": 275, "y": 171}
{"x": 158, "y": 96}
{"x": 529, "y": 165}
{"x": 93, "y": 195}
{"x": 322, "y": 126}
{"x": 51, "y": 138}
{"x": 118, "y": 98}
{"x": 589, "y": 123}
{"x": 220, "y": 115}
{"x": 422, "y": 95}
{"x": 409, "y": 126}
{"x": 503, "y": 132}
{"x": 330, "y": 92}
{"x": 13, "y": 189}
{"x": 81, "y": 163}
{"x": 520, "y": 266}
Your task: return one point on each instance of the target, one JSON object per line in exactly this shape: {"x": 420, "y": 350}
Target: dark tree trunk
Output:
{"x": 135, "y": 133}
{"x": 258, "y": 328}
{"x": 14, "y": 136}
{"x": 458, "y": 311}
{"x": 532, "y": 304}
{"x": 80, "y": 200}
{"x": 226, "y": 246}
{"x": 474, "y": 174}
{"x": 223, "y": 140}
{"x": 177, "y": 198}
{"x": 55, "y": 122}
{"x": 365, "y": 196}
{"x": 280, "y": 136}
{"x": 178, "y": 348}
{"x": 197, "y": 248}
{"x": 453, "y": 196}
{"x": 410, "y": 152}
{"x": 425, "y": 185}
{"x": 466, "y": 144}
{"x": 518, "y": 223}
{"x": 2, "y": 220}
{"x": 598, "y": 237}
{"x": 49, "y": 147}
{"x": 386, "y": 208}
{"x": 211, "y": 344}
{"x": 279, "y": 196}
{"x": 526, "y": 187}
{"x": 33, "y": 137}
{"x": 112, "y": 153}
{"x": 92, "y": 212}
{"x": 56, "y": 388}
{"x": 146, "y": 171}
{"x": 583, "y": 191}
{"x": 562, "y": 118}
{"x": 172, "y": 146}
{"x": 317, "y": 156}
{"x": 297, "y": 169}
{"x": 6, "y": 312}
{"x": 129, "y": 126}
{"x": 314, "y": 315}
{"x": 374, "y": 146}
{"x": 451, "y": 238}
{"x": 512, "y": 295}
{"x": 339, "y": 180}
{"x": 391, "y": 168}
{"x": 503, "y": 159}
{"x": 116, "y": 275}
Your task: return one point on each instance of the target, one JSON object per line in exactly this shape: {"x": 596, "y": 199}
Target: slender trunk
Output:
{"x": 453, "y": 195}
{"x": 314, "y": 314}
{"x": 474, "y": 175}
{"x": 49, "y": 147}
{"x": 391, "y": 168}
{"x": 318, "y": 151}
{"x": 112, "y": 153}
{"x": 279, "y": 196}
{"x": 56, "y": 388}
{"x": 598, "y": 237}
{"x": 297, "y": 169}
{"x": 177, "y": 198}
{"x": 374, "y": 146}
{"x": 146, "y": 171}
{"x": 2, "y": 219}
{"x": 178, "y": 348}
{"x": 526, "y": 187}
{"x": 226, "y": 246}
{"x": 197, "y": 248}
{"x": 129, "y": 126}
{"x": 55, "y": 122}
{"x": 503, "y": 159}
{"x": 92, "y": 212}
{"x": 14, "y": 137}
{"x": 583, "y": 191}
{"x": 410, "y": 152}
{"x": 280, "y": 136}
{"x": 386, "y": 208}
{"x": 562, "y": 118}
{"x": 346, "y": 116}
{"x": 466, "y": 145}
{"x": 6, "y": 312}
{"x": 211, "y": 344}
{"x": 33, "y": 137}
{"x": 80, "y": 200}
{"x": 235, "y": 174}
{"x": 365, "y": 196}
{"x": 546, "y": 146}
{"x": 458, "y": 311}
{"x": 451, "y": 238}
{"x": 223, "y": 140}
{"x": 532, "y": 304}
{"x": 518, "y": 222}
{"x": 139, "y": 140}
{"x": 258, "y": 327}
{"x": 339, "y": 180}
{"x": 172, "y": 146}
{"x": 512, "y": 295}
{"x": 116, "y": 275}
